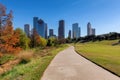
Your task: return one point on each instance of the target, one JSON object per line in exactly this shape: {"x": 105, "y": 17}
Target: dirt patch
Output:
{"x": 8, "y": 66}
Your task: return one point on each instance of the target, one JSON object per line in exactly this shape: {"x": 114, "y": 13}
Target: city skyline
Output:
{"x": 42, "y": 29}
{"x": 103, "y": 14}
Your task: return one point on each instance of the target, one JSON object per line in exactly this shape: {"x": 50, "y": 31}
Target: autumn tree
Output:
{"x": 8, "y": 38}
{"x": 35, "y": 39}
{"x": 2, "y": 14}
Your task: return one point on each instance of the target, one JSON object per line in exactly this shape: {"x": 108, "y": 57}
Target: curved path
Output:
{"x": 68, "y": 65}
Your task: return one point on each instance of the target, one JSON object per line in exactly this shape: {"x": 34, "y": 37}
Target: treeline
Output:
{"x": 109, "y": 36}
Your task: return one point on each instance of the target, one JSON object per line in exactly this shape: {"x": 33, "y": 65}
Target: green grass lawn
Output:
{"x": 102, "y": 53}
{"x": 35, "y": 68}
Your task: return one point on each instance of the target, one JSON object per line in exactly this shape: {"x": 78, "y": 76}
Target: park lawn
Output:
{"x": 102, "y": 53}
{"x": 35, "y": 68}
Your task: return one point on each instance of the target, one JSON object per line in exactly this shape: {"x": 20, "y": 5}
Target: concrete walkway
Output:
{"x": 68, "y": 65}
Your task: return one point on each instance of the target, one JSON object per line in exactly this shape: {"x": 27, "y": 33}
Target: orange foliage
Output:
{"x": 8, "y": 37}
{"x": 36, "y": 38}
{"x": 9, "y": 40}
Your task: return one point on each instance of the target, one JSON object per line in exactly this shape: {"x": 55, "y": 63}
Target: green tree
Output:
{"x": 43, "y": 42}
{"x": 24, "y": 40}
{"x": 52, "y": 41}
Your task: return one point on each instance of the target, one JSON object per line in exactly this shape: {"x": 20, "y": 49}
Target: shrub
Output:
{"x": 52, "y": 41}
{"x": 119, "y": 41}
{"x": 25, "y": 56}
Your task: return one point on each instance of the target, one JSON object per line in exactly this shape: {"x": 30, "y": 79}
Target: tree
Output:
{"x": 8, "y": 38}
{"x": 52, "y": 41}
{"x": 68, "y": 40}
{"x": 24, "y": 40}
{"x": 2, "y": 14}
{"x": 35, "y": 39}
{"x": 43, "y": 42}
{"x": 119, "y": 41}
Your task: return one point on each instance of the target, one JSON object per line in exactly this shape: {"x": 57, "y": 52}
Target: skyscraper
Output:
{"x": 46, "y": 32}
{"x": 79, "y": 32}
{"x": 89, "y": 29}
{"x": 35, "y": 23}
{"x": 27, "y": 29}
{"x": 76, "y": 30}
{"x": 93, "y": 31}
{"x": 61, "y": 29}
{"x": 69, "y": 34}
{"x": 51, "y": 32}
{"x": 40, "y": 26}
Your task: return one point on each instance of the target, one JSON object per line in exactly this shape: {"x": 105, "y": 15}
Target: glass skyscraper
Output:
{"x": 27, "y": 29}
{"x": 69, "y": 34}
{"x": 90, "y": 30}
{"x": 51, "y": 32}
{"x": 61, "y": 29}
{"x": 40, "y": 26}
{"x": 75, "y": 30}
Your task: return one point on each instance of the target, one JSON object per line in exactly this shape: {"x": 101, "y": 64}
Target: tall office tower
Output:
{"x": 61, "y": 29}
{"x": 93, "y": 31}
{"x": 40, "y": 26}
{"x": 89, "y": 29}
{"x": 69, "y": 34}
{"x": 76, "y": 30}
{"x": 27, "y": 29}
{"x": 46, "y": 31}
{"x": 35, "y": 23}
{"x": 51, "y": 33}
{"x": 79, "y": 32}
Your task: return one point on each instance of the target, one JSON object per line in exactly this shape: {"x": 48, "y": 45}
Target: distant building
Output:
{"x": 79, "y": 32}
{"x": 35, "y": 23}
{"x": 93, "y": 31}
{"x": 51, "y": 32}
{"x": 69, "y": 34}
{"x": 46, "y": 32}
{"x": 55, "y": 36}
{"x": 61, "y": 29}
{"x": 75, "y": 30}
{"x": 27, "y": 29}
{"x": 90, "y": 30}
{"x": 40, "y": 26}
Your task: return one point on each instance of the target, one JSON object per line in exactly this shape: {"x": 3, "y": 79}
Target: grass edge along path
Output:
{"x": 34, "y": 69}
{"x": 89, "y": 55}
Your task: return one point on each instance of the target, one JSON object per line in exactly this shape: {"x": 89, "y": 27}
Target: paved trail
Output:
{"x": 68, "y": 65}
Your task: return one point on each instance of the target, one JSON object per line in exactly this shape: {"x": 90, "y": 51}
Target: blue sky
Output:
{"x": 104, "y": 15}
